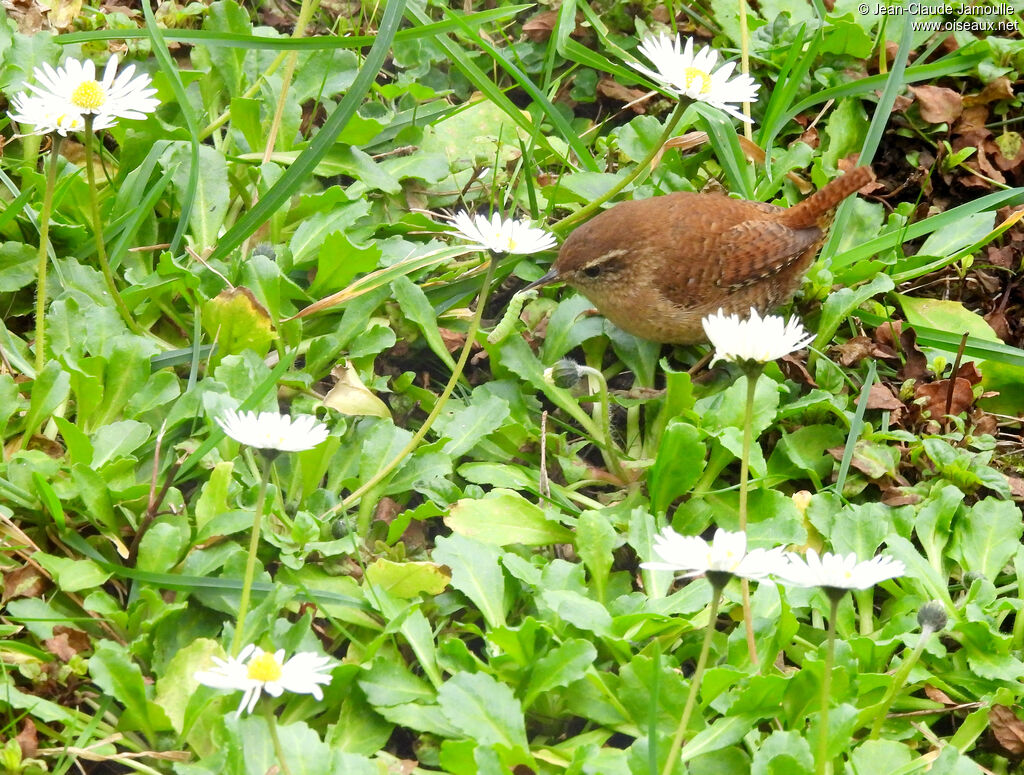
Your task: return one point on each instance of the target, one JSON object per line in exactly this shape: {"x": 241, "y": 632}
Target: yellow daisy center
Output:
{"x": 698, "y": 79}
{"x": 88, "y": 95}
{"x": 264, "y": 668}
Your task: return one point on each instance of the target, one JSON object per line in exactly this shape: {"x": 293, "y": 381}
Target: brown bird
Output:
{"x": 656, "y": 267}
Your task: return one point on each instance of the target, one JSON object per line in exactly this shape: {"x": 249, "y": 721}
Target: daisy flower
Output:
{"x": 755, "y": 339}
{"x": 501, "y": 236}
{"x": 695, "y": 76}
{"x": 834, "y": 572}
{"x": 73, "y": 88}
{"x": 45, "y": 115}
{"x": 270, "y": 430}
{"x": 726, "y": 554}
{"x": 255, "y": 671}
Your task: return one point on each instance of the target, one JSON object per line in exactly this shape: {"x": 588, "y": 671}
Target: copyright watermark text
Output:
{"x": 965, "y": 22}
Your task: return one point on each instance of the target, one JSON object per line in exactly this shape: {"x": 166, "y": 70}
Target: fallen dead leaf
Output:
{"x": 938, "y": 104}
{"x": 1007, "y": 729}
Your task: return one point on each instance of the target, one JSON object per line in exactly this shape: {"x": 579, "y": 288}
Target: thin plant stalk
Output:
{"x": 748, "y": 130}
{"x": 632, "y": 176}
{"x": 250, "y": 563}
{"x": 43, "y": 261}
{"x": 695, "y": 680}
{"x": 821, "y": 760}
{"x": 439, "y": 405}
{"x": 268, "y": 712}
{"x": 605, "y": 421}
{"x": 97, "y": 230}
{"x": 753, "y": 373}
{"x": 899, "y": 680}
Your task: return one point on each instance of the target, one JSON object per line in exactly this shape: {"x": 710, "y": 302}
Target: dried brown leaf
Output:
{"x": 881, "y": 397}
{"x": 25, "y": 581}
{"x": 938, "y": 104}
{"x": 937, "y": 394}
{"x": 609, "y": 87}
{"x": 1007, "y": 729}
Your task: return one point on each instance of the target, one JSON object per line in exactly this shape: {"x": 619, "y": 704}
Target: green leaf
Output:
{"x": 596, "y": 539}
{"x": 238, "y": 322}
{"x": 559, "y": 667}
{"x": 484, "y": 710}
{"x": 113, "y": 670}
{"x": 987, "y": 536}
{"x": 17, "y": 266}
{"x": 678, "y": 465}
{"x": 467, "y": 426}
{"x": 476, "y": 573}
{"x": 783, "y": 752}
{"x": 388, "y": 683}
{"x": 212, "y": 195}
{"x": 951, "y": 316}
{"x": 49, "y": 390}
{"x": 407, "y": 579}
{"x": 504, "y": 517}
{"x": 418, "y": 309}
{"x": 72, "y": 575}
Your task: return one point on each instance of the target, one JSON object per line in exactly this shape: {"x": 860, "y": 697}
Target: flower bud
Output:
{"x": 564, "y": 374}
{"x": 932, "y": 616}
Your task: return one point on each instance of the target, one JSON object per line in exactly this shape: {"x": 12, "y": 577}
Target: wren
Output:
{"x": 656, "y": 267}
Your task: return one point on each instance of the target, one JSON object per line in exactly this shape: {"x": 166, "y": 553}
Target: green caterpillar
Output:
{"x": 508, "y": 320}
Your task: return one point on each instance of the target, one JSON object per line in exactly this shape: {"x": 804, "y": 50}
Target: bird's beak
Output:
{"x": 550, "y": 277}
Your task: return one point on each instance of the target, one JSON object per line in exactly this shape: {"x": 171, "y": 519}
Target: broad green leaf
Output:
{"x": 466, "y": 426}
{"x": 237, "y": 322}
{"x": 72, "y": 575}
{"x": 596, "y": 539}
{"x": 49, "y": 389}
{"x": 986, "y": 537}
{"x": 17, "y": 266}
{"x": 560, "y": 666}
{"x": 678, "y": 465}
{"x": 504, "y": 517}
{"x": 485, "y": 710}
{"x": 476, "y": 573}
{"x": 113, "y": 670}
{"x": 212, "y": 195}
{"x": 387, "y": 683}
{"x": 407, "y": 579}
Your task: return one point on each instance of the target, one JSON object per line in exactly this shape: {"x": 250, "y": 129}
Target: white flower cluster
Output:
{"x": 61, "y": 98}
{"x": 727, "y": 554}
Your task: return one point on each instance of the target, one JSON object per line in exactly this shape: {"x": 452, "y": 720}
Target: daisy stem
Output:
{"x": 899, "y": 680}
{"x": 43, "y": 261}
{"x": 753, "y": 373}
{"x": 435, "y": 412}
{"x": 250, "y": 563}
{"x": 275, "y": 738}
{"x": 638, "y": 172}
{"x": 695, "y": 679}
{"x": 605, "y": 423}
{"x": 821, "y": 760}
{"x": 97, "y": 230}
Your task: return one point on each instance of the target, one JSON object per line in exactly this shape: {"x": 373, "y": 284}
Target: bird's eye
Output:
{"x": 592, "y": 271}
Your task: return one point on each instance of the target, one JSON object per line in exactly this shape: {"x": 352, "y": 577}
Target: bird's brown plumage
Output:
{"x": 656, "y": 267}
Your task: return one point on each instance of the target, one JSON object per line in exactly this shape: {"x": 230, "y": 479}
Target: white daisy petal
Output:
{"x": 255, "y": 671}
{"x": 835, "y": 571}
{"x": 270, "y": 430}
{"x": 754, "y": 339}
{"x": 693, "y": 75}
{"x": 498, "y": 235}
{"x": 727, "y": 553}
{"x": 62, "y": 96}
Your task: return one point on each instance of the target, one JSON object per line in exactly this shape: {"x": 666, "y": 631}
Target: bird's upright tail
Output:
{"x": 808, "y": 213}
